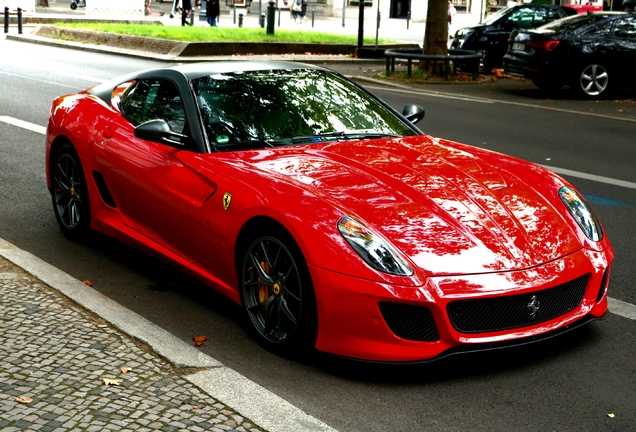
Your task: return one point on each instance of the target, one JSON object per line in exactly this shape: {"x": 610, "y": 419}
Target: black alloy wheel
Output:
{"x": 593, "y": 81}
{"x": 278, "y": 296}
{"x": 70, "y": 194}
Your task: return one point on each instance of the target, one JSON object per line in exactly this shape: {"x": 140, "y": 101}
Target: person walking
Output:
{"x": 186, "y": 10}
{"x": 212, "y": 11}
{"x": 296, "y": 7}
{"x": 303, "y": 10}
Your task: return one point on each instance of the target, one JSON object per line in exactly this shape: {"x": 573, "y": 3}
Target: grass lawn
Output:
{"x": 221, "y": 34}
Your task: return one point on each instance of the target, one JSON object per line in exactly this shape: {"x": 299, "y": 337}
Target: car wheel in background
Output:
{"x": 70, "y": 193}
{"x": 592, "y": 81}
{"x": 277, "y": 294}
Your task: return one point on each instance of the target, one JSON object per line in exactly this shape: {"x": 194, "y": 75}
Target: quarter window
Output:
{"x": 155, "y": 99}
{"x": 626, "y": 28}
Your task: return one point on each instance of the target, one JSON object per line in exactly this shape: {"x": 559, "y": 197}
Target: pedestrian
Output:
{"x": 303, "y": 10}
{"x": 296, "y": 8}
{"x": 451, "y": 13}
{"x": 212, "y": 11}
{"x": 186, "y": 9}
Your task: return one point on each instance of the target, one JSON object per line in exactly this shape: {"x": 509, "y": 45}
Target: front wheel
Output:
{"x": 73, "y": 5}
{"x": 592, "y": 81}
{"x": 277, "y": 294}
{"x": 70, "y": 193}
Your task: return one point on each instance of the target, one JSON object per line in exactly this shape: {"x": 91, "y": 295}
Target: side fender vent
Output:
{"x": 104, "y": 192}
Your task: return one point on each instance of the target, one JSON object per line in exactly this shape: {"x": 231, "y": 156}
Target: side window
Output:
{"x": 626, "y": 28}
{"x": 601, "y": 30}
{"x": 521, "y": 18}
{"x": 155, "y": 99}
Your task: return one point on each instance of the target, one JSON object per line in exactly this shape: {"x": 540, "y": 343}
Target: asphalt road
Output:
{"x": 568, "y": 384}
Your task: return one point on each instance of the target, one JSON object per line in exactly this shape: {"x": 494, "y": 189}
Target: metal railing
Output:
{"x": 469, "y": 60}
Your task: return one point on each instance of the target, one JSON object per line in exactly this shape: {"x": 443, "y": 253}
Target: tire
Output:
{"x": 70, "y": 194}
{"x": 547, "y": 84}
{"x": 73, "y": 6}
{"x": 592, "y": 81}
{"x": 278, "y": 296}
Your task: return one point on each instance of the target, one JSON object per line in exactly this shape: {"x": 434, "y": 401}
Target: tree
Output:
{"x": 435, "y": 33}
{"x": 43, "y": 3}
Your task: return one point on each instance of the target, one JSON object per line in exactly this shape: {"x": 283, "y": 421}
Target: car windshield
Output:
{"x": 495, "y": 17}
{"x": 573, "y": 23}
{"x": 295, "y": 106}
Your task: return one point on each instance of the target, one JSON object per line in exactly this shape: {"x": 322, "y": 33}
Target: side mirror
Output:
{"x": 413, "y": 113}
{"x": 159, "y": 131}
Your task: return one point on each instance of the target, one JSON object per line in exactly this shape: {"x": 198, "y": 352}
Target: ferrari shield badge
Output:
{"x": 227, "y": 199}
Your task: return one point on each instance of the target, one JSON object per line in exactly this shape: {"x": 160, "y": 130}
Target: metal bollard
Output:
{"x": 261, "y": 20}
{"x": 312, "y": 18}
{"x": 234, "y": 14}
{"x": 6, "y": 19}
{"x": 192, "y": 14}
{"x": 271, "y": 17}
{"x": 240, "y": 20}
{"x": 408, "y": 18}
{"x": 19, "y": 20}
{"x": 278, "y": 17}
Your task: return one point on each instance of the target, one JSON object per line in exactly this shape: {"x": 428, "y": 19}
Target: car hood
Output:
{"x": 448, "y": 210}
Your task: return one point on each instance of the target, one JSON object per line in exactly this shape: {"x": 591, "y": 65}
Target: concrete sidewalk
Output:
{"x": 72, "y": 359}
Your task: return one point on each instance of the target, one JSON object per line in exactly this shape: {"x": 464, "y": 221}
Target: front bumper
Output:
{"x": 353, "y": 324}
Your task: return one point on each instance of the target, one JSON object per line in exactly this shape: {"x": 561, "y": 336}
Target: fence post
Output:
{"x": 19, "y": 20}
{"x": 6, "y": 19}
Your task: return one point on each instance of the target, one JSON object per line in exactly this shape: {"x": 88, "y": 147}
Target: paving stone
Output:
{"x": 57, "y": 354}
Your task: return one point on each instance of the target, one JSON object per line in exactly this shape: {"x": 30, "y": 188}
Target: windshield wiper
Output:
{"x": 248, "y": 144}
{"x": 329, "y": 136}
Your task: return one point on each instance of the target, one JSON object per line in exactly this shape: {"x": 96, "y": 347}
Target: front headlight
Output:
{"x": 372, "y": 248}
{"x": 582, "y": 213}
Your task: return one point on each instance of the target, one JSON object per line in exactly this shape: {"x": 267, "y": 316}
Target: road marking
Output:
{"x": 23, "y": 124}
{"x": 37, "y": 79}
{"x": 81, "y": 77}
{"x": 592, "y": 177}
{"x": 607, "y": 202}
{"x": 624, "y": 309}
{"x": 484, "y": 100}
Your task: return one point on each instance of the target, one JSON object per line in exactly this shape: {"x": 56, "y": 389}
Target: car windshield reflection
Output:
{"x": 282, "y": 105}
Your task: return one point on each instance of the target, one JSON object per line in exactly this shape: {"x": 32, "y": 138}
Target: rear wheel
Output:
{"x": 592, "y": 81}
{"x": 70, "y": 193}
{"x": 278, "y": 295}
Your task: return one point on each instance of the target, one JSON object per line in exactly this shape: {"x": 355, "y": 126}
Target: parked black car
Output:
{"x": 491, "y": 37}
{"x": 591, "y": 53}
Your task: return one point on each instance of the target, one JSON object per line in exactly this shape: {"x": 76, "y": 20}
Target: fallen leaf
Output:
{"x": 198, "y": 340}
{"x": 108, "y": 381}
{"x": 197, "y": 406}
{"x": 547, "y": 109}
{"x": 126, "y": 369}
{"x": 2, "y": 266}
{"x": 611, "y": 415}
{"x": 619, "y": 110}
{"x": 23, "y": 399}
{"x": 87, "y": 282}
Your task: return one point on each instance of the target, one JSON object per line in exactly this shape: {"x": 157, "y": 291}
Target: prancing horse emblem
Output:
{"x": 227, "y": 199}
{"x": 533, "y": 306}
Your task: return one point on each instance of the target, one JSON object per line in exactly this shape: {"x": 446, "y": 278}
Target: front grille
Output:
{"x": 410, "y": 322}
{"x": 503, "y": 313}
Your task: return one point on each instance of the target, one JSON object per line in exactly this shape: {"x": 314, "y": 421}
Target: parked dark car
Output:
{"x": 491, "y": 37}
{"x": 591, "y": 53}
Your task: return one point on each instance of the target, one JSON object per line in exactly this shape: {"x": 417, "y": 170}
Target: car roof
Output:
{"x": 195, "y": 70}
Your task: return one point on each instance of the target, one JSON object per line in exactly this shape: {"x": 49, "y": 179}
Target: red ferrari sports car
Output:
{"x": 329, "y": 216}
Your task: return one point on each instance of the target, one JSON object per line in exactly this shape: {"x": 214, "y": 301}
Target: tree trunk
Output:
{"x": 43, "y": 3}
{"x": 435, "y": 34}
